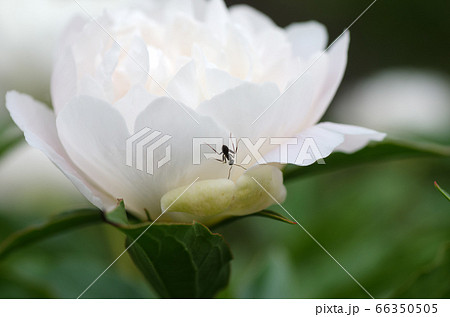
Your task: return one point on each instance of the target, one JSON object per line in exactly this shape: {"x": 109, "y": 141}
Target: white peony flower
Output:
{"x": 190, "y": 69}
{"x": 417, "y": 101}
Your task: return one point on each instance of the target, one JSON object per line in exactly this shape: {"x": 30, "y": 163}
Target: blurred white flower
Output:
{"x": 222, "y": 69}
{"x": 28, "y": 32}
{"x": 398, "y": 101}
{"x": 30, "y": 183}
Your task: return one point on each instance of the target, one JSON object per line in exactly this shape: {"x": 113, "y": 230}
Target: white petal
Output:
{"x": 185, "y": 86}
{"x": 89, "y": 45}
{"x": 356, "y": 137}
{"x": 133, "y": 103}
{"x": 90, "y": 87}
{"x": 337, "y": 62}
{"x": 211, "y": 201}
{"x": 94, "y": 135}
{"x": 165, "y": 9}
{"x": 134, "y": 69}
{"x": 64, "y": 80}
{"x": 197, "y": 81}
{"x": 274, "y": 57}
{"x": 268, "y": 179}
{"x": 70, "y": 33}
{"x": 216, "y": 17}
{"x": 254, "y": 111}
{"x": 321, "y": 140}
{"x": 176, "y": 120}
{"x": 136, "y": 63}
{"x": 217, "y": 81}
{"x": 199, "y": 8}
{"x": 298, "y": 99}
{"x": 105, "y": 71}
{"x": 38, "y": 124}
{"x": 237, "y": 108}
{"x": 251, "y": 18}
{"x": 238, "y": 54}
{"x": 307, "y": 38}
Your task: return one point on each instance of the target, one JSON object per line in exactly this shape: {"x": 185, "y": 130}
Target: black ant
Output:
{"x": 228, "y": 156}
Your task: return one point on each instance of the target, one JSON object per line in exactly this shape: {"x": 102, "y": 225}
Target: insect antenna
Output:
{"x": 213, "y": 149}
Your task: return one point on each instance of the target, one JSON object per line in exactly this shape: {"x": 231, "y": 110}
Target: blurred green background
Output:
{"x": 383, "y": 222}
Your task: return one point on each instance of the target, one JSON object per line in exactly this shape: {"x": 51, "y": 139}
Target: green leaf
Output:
{"x": 264, "y": 213}
{"x": 14, "y": 286}
{"x": 431, "y": 282}
{"x": 56, "y": 225}
{"x": 118, "y": 216}
{"x": 8, "y": 139}
{"x": 388, "y": 149}
{"x": 443, "y": 192}
{"x": 178, "y": 260}
{"x": 273, "y": 215}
